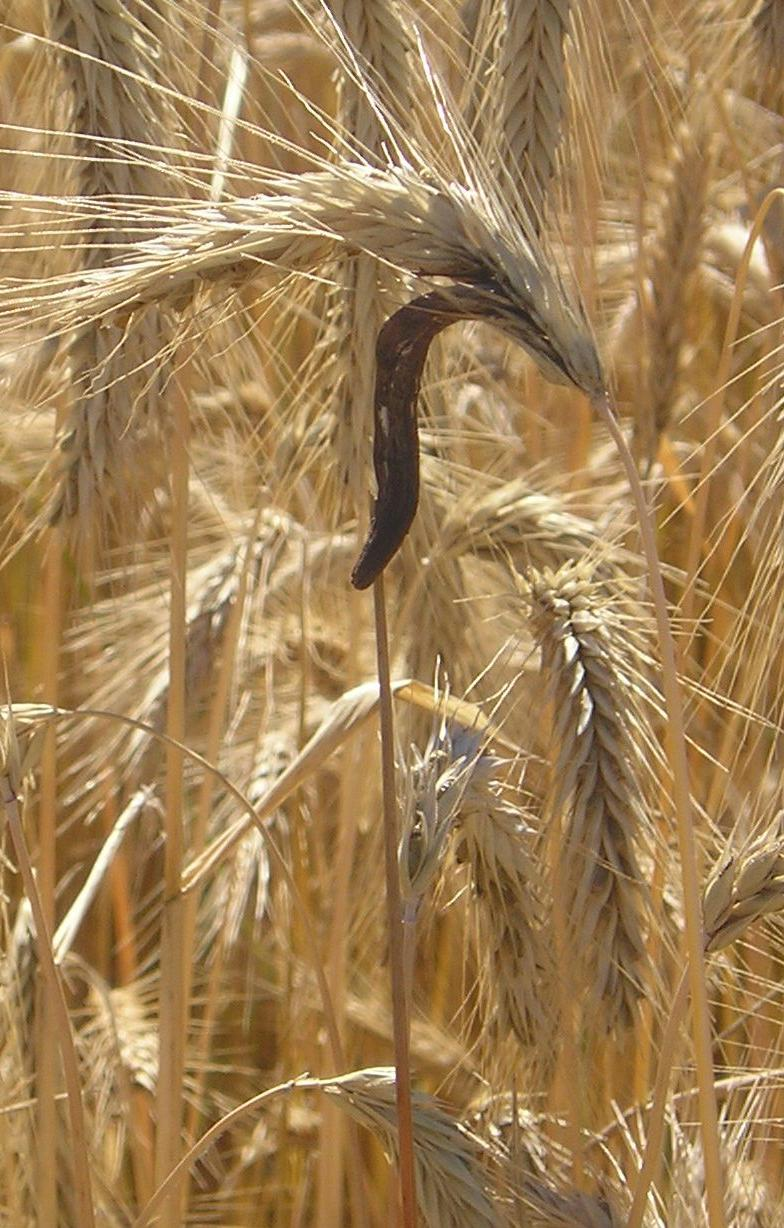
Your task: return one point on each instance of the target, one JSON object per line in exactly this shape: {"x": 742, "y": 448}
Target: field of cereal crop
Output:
{"x": 391, "y": 591}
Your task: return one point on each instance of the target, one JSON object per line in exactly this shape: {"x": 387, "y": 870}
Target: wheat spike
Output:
{"x": 379, "y": 41}
{"x": 17, "y": 991}
{"x": 116, "y": 120}
{"x": 396, "y": 215}
{"x": 245, "y": 887}
{"x": 498, "y": 847}
{"x": 455, "y": 785}
{"x": 119, "y": 1032}
{"x": 537, "y": 1168}
{"x": 451, "y": 1191}
{"x": 435, "y": 784}
{"x": 751, "y": 1203}
{"x": 547, "y": 1207}
{"x": 215, "y": 586}
{"x": 532, "y": 86}
{"x": 596, "y": 792}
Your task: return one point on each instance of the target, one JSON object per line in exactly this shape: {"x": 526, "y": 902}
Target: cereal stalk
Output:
{"x": 400, "y": 1017}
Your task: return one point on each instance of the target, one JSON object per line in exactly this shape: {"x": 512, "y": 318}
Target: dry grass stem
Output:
{"x": 401, "y": 1019}
{"x": 68, "y": 928}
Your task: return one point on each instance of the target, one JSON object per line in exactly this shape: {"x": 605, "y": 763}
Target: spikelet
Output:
{"x": 587, "y": 664}
{"x": 434, "y": 788}
{"x": 743, "y": 888}
{"x": 451, "y": 1191}
{"x": 454, "y": 785}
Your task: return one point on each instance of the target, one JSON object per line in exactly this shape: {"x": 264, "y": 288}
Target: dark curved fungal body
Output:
{"x": 401, "y": 352}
